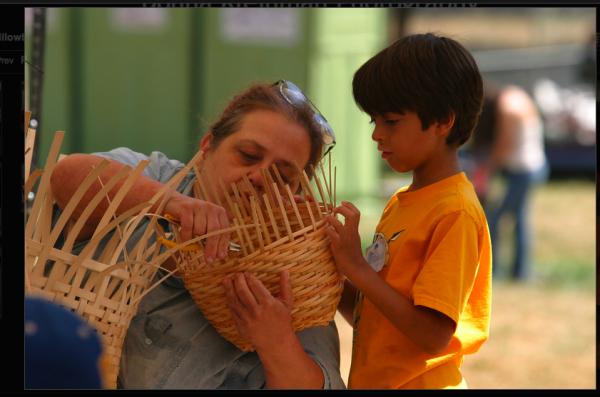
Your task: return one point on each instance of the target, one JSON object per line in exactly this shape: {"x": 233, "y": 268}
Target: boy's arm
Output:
{"x": 427, "y": 328}
{"x": 346, "y": 305}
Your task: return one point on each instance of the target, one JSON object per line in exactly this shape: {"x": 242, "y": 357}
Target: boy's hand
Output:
{"x": 345, "y": 240}
{"x": 260, "y": 317}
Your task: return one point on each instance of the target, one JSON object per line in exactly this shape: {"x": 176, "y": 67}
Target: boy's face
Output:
{"x": 404, "y": 144}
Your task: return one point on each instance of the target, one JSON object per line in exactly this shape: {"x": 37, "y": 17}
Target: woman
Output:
{"x": 169, "y": 342}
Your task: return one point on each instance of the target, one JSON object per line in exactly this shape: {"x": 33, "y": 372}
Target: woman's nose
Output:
{"x": 256, "y": 178}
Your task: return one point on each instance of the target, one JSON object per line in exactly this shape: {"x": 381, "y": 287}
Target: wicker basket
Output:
{"x": 103, "y": 287}
{"x": 274, "y": 233}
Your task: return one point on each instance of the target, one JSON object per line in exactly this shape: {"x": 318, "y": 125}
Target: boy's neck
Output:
{"x": 438, "y": 168}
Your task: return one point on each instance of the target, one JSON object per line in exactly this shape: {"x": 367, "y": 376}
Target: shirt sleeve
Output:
{"x": 322, "y": 344}
{"x": 160, "y": 167}
{"x": 451, "y": 263}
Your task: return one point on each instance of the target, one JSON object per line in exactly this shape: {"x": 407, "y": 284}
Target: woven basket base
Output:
{"x": 316, "y": 284}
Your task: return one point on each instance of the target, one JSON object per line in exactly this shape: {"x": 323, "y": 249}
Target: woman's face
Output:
{"x": 264, "y": 138}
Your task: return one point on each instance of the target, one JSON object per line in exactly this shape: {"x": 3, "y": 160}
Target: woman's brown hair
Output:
{"x": 266, "y": 96}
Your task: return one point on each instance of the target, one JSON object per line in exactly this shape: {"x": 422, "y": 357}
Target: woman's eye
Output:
{"x": 249, "y": 157}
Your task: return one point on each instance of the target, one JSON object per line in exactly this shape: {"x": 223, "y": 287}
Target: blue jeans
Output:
{"x": 515, "y": 203}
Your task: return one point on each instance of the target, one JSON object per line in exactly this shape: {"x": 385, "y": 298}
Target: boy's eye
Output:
{"x": 390, "y": 121}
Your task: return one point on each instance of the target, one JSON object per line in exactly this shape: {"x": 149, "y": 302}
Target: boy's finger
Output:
{"x": 337, "y": 225}
{"x": 352, "y": 217}
{"x": 351, "y": 206}
{"x": 334, "y": 237}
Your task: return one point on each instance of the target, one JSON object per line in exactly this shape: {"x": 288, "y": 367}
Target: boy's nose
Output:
{"x": 376, "y": 135}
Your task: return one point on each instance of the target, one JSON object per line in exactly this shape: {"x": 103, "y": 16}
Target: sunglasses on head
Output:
{"x": 295, "y": 97}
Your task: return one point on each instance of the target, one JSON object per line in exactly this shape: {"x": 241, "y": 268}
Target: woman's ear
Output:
{"x": 205, "y": 142}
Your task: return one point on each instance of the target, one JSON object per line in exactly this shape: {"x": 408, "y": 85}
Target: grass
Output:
{"x": 543, "y": 333}
{"x": 563, "y": 224}
{"x": 540, "y": 338}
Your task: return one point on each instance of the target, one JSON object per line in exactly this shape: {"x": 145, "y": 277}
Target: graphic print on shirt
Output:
{"x": 378, "y": 253}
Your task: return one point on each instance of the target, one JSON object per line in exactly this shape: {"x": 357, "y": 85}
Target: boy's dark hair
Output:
{"x": 430, "y": 75}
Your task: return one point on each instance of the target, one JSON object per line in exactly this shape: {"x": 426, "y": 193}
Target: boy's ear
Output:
{"x": 206, "y": 141}
{"x": 445, "y": 126}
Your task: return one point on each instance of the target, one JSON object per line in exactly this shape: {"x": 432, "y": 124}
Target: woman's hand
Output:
{"x": 198, "y": 217}
{"x": 345, "y": 240}
{"x": 261, "y": 318}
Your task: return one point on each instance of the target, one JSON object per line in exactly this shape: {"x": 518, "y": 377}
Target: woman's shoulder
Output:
{"x": 160, "y": 167}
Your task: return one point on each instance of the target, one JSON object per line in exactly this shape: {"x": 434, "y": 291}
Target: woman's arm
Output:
{"x": 266, "y": 322}
{"x": 196, "y": 217}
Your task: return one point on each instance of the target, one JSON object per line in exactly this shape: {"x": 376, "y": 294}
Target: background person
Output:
{"x": 511, "y": 144}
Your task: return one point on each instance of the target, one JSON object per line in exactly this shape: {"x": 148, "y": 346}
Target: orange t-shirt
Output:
{"x": 438, "y": 256}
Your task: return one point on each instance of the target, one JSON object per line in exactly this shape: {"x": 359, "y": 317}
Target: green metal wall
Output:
{"x": 158, "y": 88}
{"x": 227, "y": 66}
{"x": 152, "y": 88}
{"x": 134, "y": 84}
{"x": 343, "y": 40}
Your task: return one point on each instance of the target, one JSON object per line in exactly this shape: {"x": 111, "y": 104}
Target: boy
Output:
{"x": 425, "y": 285}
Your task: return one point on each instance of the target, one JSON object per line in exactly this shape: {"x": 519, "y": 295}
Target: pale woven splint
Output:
{"x": 103, "y": 287}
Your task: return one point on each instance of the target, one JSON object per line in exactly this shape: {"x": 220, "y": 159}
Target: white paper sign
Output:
{"x": 279, "y": 26}
{"x": 138, "y": 19}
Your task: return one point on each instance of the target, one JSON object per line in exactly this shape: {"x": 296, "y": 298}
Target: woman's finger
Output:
{"x": 232, "y": 299}
{"x": 223, "y": 247}
{"x": 212, "y": 224}
{"x": 285, "y": 287}
{"x": 260, "y": 292}
{"x": 186, "y": 221}
{"x": 243, "y": 293}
